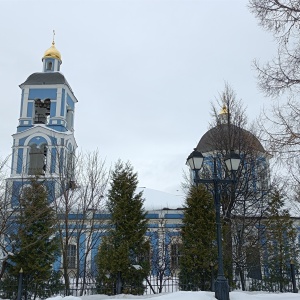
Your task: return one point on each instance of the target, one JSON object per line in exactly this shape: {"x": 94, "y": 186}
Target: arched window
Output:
{"x": 71, "y": 255}
{"x": 49, "y": 65}
{"x": 37, "y": 159}
{"x": 175, "y": 255}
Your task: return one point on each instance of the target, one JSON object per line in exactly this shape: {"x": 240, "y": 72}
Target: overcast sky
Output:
{"x": 144, "y": 72}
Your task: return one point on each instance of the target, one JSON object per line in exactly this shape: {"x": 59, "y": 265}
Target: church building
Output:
{"x": 44, "y": 144}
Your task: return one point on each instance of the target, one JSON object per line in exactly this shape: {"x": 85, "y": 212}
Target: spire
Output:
{"x": 52, "y": 58}
{"x": 224, "y": 110}
{"x": 223, "y": 115}
{"x": 52, "y": 52}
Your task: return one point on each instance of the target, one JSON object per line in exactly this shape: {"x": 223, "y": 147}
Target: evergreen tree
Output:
{"x": 199, "y": 250}
{"x": 36, "y": 247}
{"x": 281, "y": 245}
{"x": 124, "y": 247}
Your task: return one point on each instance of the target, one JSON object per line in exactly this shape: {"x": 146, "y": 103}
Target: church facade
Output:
{"x": 44, "y": 144}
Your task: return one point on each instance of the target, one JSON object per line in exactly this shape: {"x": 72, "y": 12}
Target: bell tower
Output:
{"x": 44, "y": 144}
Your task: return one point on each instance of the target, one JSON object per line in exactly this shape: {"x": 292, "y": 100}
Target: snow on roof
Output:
{"x": 155, "y": 199}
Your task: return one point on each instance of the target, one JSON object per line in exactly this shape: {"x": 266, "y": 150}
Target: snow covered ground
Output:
{"x": 191, "y": 296}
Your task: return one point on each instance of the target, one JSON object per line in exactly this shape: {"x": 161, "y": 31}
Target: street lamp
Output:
{"x": 232, "y": 161}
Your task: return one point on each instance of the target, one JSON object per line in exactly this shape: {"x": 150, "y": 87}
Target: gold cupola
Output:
{"x": 52, "y": 52}
{"x": 224, "y": 115}
{"x": 224, "y": 110}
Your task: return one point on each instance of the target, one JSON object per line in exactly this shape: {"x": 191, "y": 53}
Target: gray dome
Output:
{"x": 228, "y": 137}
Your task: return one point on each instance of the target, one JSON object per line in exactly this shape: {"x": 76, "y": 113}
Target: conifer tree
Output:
{"x": 281, "y": 245}
{"x": 199, "y": 251}
{"x": 36, "y": 245}
{"x": 123, "y": 261}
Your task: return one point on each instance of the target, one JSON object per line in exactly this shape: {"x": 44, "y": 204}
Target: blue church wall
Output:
{"x": 22, "y": 141}
{"x": 103, "y": 226}
{"x": 63, "y": 94}
{"x": 20, "y": 160}
{"x": 173, "y": 225}
{"x": 96, "y": 241}
{"x": 62, "y": 107}
{"x": 57, "y": 263}
{"x": 53, "y": 140}
{"x": 152, "y": 225}
{"x": 22, "y": 128}
{"x": 152, "y": 216}
{"x": 50, "y": 186}
{"x": 12, "y": 160}
{"x": 53, "y": 160}
{"x": 167, "y": 254}
{"x": 75, "y": 216}
{"x": 29, "y": 109}
{"x": 81, "y": 238}
{"x": 176, "y": 233}
{"x": 249, "y": 165}
{"x": 102, "y": 216}
{"x": 154, "y": 245}
{"x": 53, "y": 109}
{"x": 25, "y": 124}
{"x": 61, "y": 161}
{"x": 159, "y": 256}
{"x": 265, "y": 253}
{"x": 82, "y": 251}
{"x": 173, "y": 216}
{"x": 42, "y": 94}
{"x": 16, "y": 186}
{"x": 27, "y": 165}
{"x": 38, "y": 140}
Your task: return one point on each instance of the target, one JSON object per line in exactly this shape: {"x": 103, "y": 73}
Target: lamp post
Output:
{"x": 20, "y": 284}
{"x": 232, "y": 161}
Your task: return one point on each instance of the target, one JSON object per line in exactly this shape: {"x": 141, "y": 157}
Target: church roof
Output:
{"x": 42, "y": 78}
{"x": 155, "y": 199}
{"x": 217, "y": 138}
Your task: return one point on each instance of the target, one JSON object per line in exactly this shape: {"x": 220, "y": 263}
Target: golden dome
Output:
{"x": 52, "y": 52}
{"x": 224, "y": 110}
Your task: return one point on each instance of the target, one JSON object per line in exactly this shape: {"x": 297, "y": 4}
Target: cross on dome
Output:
{"x": 52, "y": 52}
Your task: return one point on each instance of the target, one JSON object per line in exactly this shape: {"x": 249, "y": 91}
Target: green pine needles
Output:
{"x": 123, "y": 258}
{"x": 280, "y": 244}
{"x": 199, "y": 252}
{"x": 35, "y": 244}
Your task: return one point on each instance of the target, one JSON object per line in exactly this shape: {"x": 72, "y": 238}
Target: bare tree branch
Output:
{"x": 282, "y": 19}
